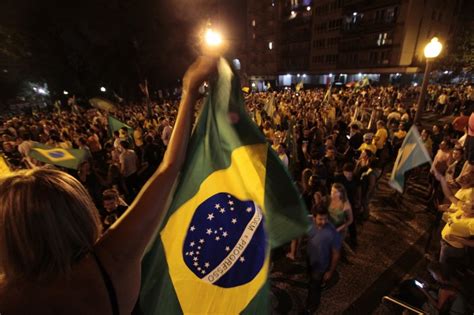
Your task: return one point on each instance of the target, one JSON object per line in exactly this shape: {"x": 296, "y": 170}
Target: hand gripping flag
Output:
{"x": 234, "y": 201}
{"x": 68, "y": 158}
{"x": 412, "y": 153}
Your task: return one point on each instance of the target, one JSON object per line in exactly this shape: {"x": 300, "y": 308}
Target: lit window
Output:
{"x": 270, "y": 45}
{"x": 253, "y": 23}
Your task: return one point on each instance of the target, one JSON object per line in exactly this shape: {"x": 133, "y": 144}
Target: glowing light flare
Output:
{"x": 212, "y": 38}
{"x": 433, "y": 48}
{"x": 103, "y": 89}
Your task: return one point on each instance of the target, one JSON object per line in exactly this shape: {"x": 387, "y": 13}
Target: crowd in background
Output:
{"x": 336, "y": 143}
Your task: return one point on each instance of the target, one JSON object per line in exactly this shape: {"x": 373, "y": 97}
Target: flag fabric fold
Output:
{"x": 116, "y": 125}
{"x": 68, "y": 158}
{"x": 234, "y": 201}
{"x": 412, "y": 153}
{"x": 4, "y": 167}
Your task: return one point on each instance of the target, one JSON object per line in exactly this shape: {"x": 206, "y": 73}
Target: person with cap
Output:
{"x": 368, "y": 144}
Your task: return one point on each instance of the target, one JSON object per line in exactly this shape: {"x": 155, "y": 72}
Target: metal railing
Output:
{"x": 403, "y": 304}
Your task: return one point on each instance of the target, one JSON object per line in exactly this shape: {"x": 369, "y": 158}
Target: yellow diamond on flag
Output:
{"x": 244, "y": 179}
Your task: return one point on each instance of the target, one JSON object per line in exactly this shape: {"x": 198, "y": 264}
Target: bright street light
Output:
{"x": 103, "y": 89}
{"x": 431, "y": 51}
{"x": 212, "y": 38}
{"x": 433, "y": 48}
{"x": 41, "y": 91}
{"x": 65, "y": 92}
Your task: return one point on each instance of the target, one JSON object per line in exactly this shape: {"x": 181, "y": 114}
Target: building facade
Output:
{"x": 344, "y": 40}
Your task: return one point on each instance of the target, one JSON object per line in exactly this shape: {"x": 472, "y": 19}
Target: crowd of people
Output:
{"x": 336, "y": 144}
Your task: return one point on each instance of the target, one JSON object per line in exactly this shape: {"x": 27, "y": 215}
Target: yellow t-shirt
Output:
{"x": 380, "y": 137}
{"x": 459, "y": 226}
{"x": 400, "y": 134}
{"x": 371, "y": 147}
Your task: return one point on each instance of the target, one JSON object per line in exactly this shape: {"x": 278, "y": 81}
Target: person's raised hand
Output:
{"x": 200, "y": 71}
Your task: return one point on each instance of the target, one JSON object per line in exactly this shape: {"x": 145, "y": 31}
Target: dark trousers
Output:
{"x": 314, "y": 291}
{"x": 131, "y": 183}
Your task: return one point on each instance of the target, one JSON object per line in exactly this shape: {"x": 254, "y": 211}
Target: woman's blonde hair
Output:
{"x": 47, "y": 223}
{"x": 342, "y": 191}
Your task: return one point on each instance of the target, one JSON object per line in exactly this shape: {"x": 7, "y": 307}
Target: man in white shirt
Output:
{"x": 128, "y": 169}
{"x": 282, "y": 154}
{"x": 166, "y": 133}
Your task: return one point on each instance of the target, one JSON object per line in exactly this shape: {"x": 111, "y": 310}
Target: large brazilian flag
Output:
{"x": 234, "y": 201}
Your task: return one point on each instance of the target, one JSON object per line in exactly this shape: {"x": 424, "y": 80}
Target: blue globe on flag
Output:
{"x": 56, "y": 154}
{"x": 225, "y": 244}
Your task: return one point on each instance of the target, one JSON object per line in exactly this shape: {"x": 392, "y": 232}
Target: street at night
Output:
{"x": 237, "y": 157}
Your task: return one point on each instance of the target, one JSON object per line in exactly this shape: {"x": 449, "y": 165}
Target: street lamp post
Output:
{"x": 432, "y": 50}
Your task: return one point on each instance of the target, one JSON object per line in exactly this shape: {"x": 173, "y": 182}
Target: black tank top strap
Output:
{"x": 109, "y": 286}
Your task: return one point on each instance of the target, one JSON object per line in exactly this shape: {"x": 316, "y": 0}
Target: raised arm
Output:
{"x": 129, "y": 236}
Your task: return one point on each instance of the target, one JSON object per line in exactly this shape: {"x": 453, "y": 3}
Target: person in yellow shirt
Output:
{"x": 381, "y": 135}
{"x": 459, "y": 230}
{"x": 368, "y": 144}
{"x": 401, "y": 133}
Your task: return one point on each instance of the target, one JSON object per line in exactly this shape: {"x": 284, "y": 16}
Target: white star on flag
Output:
{"x": 206, "y": 265}
{"x": 227, "y": 248}
{"x": 191, "y": 244}
{"x": 217, "y": 206}
{"x": 222, "y": 210}
{"x": 217, "y": 238}
{"x": 234, "y": 221}
{"x": 201, "y": 241}
{"x": 209, "y": 232}
{"x": 242, "y": 259}
{"x": 210, "y": 216}
{"x": 195, "y": 259}
{"x": 192, "y": 228}
{"x": 231, "y": 202}
{"x": 224, "y": 234}
{"x": 249, "y": 209}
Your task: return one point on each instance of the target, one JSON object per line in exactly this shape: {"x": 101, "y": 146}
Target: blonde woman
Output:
{"x": 340, "y": 210}
{"x": 54, "y": 259}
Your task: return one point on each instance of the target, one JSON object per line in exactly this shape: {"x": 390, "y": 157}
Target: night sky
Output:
{"x": 78, "y": 45}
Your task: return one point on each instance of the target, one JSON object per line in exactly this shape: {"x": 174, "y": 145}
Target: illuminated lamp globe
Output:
{"x": 433, "y": 48}
{"x": 213, "y": 38}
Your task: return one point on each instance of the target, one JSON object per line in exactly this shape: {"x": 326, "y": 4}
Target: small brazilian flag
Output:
{"x": 115, "y": 125}
{"x": 68, "y": 158}
{"x": 234, "y": 202}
